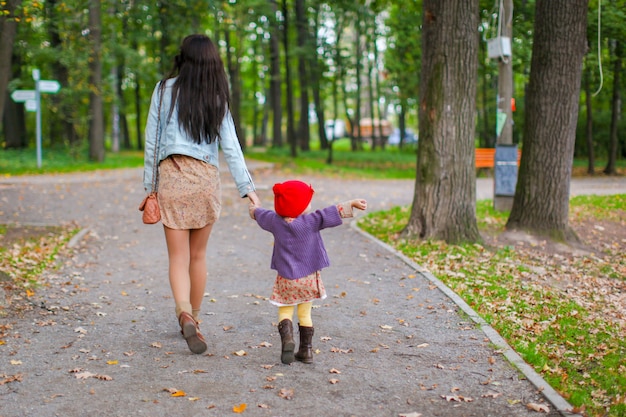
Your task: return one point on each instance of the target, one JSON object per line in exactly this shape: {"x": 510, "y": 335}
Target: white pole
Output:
{"x": 38, "y": 102}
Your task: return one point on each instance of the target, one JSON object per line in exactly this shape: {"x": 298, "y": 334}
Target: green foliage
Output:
{"x": 24, "y": 161}
{"x": 573, "y": 340}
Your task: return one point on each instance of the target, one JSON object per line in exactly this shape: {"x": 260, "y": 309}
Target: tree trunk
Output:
{"x": 356, "y": 126}
{"x": 232, "y": 62}
{"x": 316, "y": 84}
{"x": 616, "y": 110}
{"x": 291, "y": 134}
{"x": 541, "y": 202}
{"x": 8, "y": 28}
{"x": 444, "y": 204}
{"x": 14, "y": 125}
{"x": 303, "y": 74}
{"x": 591, "y": 169}
{"x": 96, "y": 109}
{"x": 275, "y": 81}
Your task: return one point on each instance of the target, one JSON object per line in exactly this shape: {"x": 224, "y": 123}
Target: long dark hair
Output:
{"x": 201, "y": 89}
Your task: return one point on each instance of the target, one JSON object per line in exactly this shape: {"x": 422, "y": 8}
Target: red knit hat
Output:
{"x": 291, "y": 198}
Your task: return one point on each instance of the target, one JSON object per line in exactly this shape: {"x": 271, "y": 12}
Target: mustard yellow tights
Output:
{"x": 304, "y": 314}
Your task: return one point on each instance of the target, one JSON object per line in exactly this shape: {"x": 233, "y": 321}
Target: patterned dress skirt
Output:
{"x": 291, "y": 292}
{"x": 190, "y": 194}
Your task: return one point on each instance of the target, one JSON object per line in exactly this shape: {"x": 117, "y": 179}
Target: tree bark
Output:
{"x": 541, "y": 202}
{"x": 96, "y": 109}
{"x": 8, "y": 28}
{"x": 444, "y": 203}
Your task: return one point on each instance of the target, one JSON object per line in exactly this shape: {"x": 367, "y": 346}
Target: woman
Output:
{"x": 189, "y": 115}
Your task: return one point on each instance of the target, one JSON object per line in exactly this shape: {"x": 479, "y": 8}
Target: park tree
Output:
{"x": 541, "y": 201}
{"x": 96, "y": 110}
{"x": 444, "y": 203}
{"x": 8, "y": 27}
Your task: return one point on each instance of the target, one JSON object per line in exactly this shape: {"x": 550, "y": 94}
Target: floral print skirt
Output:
{"x": 190, "y": 194}
{"x": 291, "y": 292}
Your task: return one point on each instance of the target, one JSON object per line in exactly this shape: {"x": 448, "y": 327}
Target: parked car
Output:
{"x": 409, "y": 137}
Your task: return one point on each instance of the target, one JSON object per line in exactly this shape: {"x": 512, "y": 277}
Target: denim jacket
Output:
{"x": 174, "y": 140}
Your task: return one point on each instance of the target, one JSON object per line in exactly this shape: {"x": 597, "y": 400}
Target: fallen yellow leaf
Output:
{"x": 239, "y": 408}
{"x": 179, "y": 394}
{"x": 112, "y": 362}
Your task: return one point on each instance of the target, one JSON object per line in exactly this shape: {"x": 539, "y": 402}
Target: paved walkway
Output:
{"x": 103, "y": 339}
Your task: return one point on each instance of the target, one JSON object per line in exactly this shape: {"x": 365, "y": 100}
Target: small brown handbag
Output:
{"x": 150, "y": 204}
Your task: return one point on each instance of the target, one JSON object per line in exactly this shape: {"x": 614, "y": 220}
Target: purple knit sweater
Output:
{"x": 298, "y": 247}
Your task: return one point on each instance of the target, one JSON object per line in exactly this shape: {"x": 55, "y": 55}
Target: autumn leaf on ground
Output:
{"x": 414, "y": 414}
{"x": 103, "y": 377}
{"x": 334, "y": 371}
{"x": 5, "y": 379}
{"x": 156, "y": 345}
{"x": 333, "y": 381}
{"x": 240, "y": 353}
{"x": 286, "y": 393}
{"x": 84, "y": 375}
{"x": 239, "y": 408}
{"x": 179, "y": 394}
{"x": 113, "y": 362}
{"x": 541, "y": 408}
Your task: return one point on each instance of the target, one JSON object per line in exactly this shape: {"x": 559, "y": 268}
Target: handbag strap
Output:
{"x": 157, "y": 139}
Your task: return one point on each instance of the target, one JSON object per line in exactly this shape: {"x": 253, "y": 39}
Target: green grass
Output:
{"x": 62, "y": 160}
{"x": 576, "y": 348}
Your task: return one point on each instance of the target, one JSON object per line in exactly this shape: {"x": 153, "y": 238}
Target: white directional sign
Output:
{"x": 20, "y": 96}
{"x": 49, "y": 86}
{"x": 31, "y": 105}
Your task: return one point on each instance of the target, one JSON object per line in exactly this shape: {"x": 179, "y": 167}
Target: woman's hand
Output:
{"x": 254, "y": 199}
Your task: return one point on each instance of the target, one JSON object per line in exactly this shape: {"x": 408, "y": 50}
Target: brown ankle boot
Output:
{"x": 191, "y": 333}
{"x": 305, "y": 352}
{"x": 285, "y": 328}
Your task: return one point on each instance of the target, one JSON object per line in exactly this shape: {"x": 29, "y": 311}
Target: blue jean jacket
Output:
{"x": 174, "y": 140}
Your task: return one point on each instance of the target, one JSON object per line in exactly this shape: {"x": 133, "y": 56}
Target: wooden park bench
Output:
{"x": 485, "y": 157}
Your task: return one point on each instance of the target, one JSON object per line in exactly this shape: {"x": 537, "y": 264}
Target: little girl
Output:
{"x": 298, "y": 257}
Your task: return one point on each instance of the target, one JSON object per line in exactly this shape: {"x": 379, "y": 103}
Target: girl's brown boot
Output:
{"x": 305, "y": 352}
{"x": 285, "y": 328}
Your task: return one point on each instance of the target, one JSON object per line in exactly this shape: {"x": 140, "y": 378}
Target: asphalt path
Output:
{"x": 102, "y": 338}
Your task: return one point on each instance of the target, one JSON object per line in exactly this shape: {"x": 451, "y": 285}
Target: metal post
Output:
{"x": 505, "y": 95}
{"x": 36, "y": 77}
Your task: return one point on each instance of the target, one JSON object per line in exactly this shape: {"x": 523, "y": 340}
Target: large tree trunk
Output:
{"x": 444, "y": 204}
{"x": 303, "y": 75}
{"x": 541, "y": 202}
{"x": 616, "y": 111}
{"x": 96, "y": 109}
{"x": 8, "y": 27}
{"x": 275, "y": 81}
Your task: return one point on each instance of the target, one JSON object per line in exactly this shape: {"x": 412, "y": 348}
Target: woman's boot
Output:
{"x": 305, "y": 352}
{"x": 285, "y": 328}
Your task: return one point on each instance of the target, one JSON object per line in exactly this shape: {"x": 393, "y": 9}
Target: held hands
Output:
{"x": 359, "y": 203}
{"x": 254, "y": 203}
